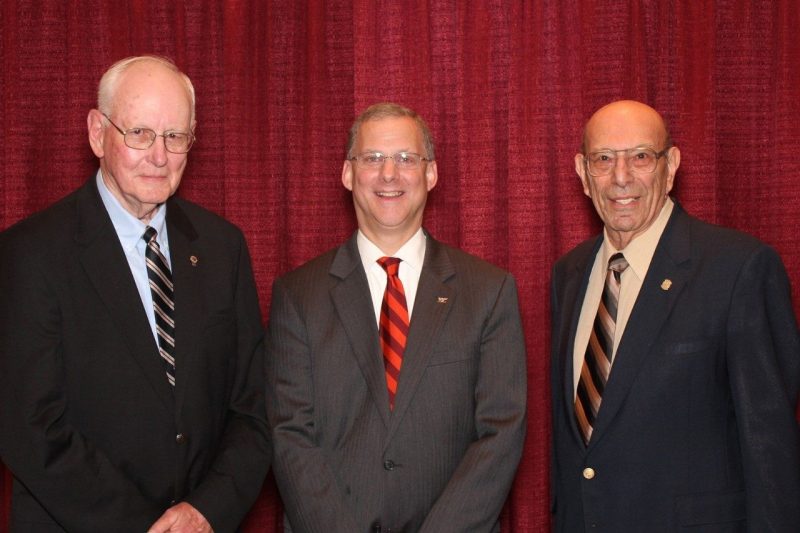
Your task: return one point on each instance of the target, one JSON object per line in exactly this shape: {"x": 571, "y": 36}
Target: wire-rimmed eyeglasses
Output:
{"x": 402, "y": 160}
{"x": 176, "y": 142}
{"x": 640, "y": 160}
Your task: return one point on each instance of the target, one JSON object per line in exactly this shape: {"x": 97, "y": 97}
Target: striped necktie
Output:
{"x": 393, "y": 324}
{"x": 160, "y": 280}
{"x": 597, "y": 360}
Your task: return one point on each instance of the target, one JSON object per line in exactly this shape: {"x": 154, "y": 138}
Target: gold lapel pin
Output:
{"x": 193, "y": 260}
{"x": 666, "y": 284}
{"x": 441, "y": 299}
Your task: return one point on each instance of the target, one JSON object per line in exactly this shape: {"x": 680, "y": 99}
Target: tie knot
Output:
{"x": 390, "y": 264}
{"x": 617, "y": 263}
{"x": 149, "y": 234}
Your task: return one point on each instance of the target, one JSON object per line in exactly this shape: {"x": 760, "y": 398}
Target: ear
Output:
{"x": 673, "y": 162}
{"x": 580, "y": 169}
{"x": 431, "y": 175}
{"x": 347, "y": 175}
{"x": 96, "y": 130}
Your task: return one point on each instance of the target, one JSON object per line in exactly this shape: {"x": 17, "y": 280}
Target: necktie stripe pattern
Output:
{"x": 160, "y": 279}
{"x": 597, "y": 359}
{"x": 393, "y": 324}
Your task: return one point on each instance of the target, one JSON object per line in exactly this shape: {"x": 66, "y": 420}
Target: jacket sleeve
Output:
{"x": 45, "y": 453}
{"x": 311, "y": 496}
{"x": 243, "y": 457}
{"x": 763, "y": 354}
{"x": 477, "y": 490}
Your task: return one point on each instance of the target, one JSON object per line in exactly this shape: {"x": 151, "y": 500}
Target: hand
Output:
{"x": 181, "y": 518}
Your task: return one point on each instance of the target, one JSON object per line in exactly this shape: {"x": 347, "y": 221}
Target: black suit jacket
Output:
{"x": 444, "y": 458}
{"x": 697, "y": 425}
{"x": 94, "y": 435}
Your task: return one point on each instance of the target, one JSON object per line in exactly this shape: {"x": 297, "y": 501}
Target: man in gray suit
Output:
{"x": 396, "y": 396}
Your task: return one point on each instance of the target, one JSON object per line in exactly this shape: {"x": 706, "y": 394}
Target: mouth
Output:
{"x": 389, "y": 194}
{"x": 624, "y": 201}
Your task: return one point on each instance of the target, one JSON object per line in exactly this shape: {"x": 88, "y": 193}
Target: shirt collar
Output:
{"x": 639, "y": 252}
{"x": 412, "y": 252}
{"x": 129, "y": 228}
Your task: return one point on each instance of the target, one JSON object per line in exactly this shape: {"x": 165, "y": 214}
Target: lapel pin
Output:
{"x": 666, "y": 284}
{"x": 441, "y": 299}
{"x": 193, "y": 260}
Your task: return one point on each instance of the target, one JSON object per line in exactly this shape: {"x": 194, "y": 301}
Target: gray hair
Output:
{"x": 388, "y": 109}
{"x": 107, "y": 89}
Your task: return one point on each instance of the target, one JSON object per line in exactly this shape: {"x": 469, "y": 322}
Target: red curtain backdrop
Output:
{"x": 505, "y": 86}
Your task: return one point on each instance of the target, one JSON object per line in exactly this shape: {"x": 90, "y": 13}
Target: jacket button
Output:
{"x": 180, "y": 438}
{"x": 588, "y": 473}
{"x": 388, "y": 465}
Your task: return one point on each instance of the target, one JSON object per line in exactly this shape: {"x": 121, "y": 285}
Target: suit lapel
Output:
{"x": 188, "y": 277}
{"x": 574, "y": 292}
{"x": 105, "y": 264}
{"x": 433, "y": 301}
{"x": 352, "y": 301}
{"x": 650, "y": 312}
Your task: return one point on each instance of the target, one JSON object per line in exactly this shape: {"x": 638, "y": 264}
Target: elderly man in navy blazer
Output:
{"x": 130, "y": 336}
{"x": 675, "y": 356}
{"x": 396, "y": 364}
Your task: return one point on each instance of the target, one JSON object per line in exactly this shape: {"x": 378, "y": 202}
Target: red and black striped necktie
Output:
{"x": 393, "y": 324}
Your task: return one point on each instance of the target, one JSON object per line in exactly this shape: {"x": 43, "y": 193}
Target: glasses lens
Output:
{"x": 642, "y": 160}
{"x": 139, "y": 138}
{"x": 178, "y": 143}
{"x": 406, "y": 159}
{"x": 371, "y": 159}
{"x": 601, "y": 163}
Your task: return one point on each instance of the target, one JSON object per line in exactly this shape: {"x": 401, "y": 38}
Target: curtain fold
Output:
{"x": 505, "y": 86}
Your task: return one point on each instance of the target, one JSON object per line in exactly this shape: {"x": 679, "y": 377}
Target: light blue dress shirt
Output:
{"x": 130, "y": 230}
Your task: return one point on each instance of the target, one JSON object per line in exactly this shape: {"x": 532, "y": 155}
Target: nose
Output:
{"x": 157, "y": 153}
{"x": 620, "y": 173}
{"x": 388, "y": 169}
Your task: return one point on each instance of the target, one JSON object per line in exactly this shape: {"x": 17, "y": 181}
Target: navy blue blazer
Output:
{"x": 697, "y": 427}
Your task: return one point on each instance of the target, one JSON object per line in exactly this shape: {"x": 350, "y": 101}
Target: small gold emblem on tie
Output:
{"x": 193, "y": 260}
{"x": 666, "y": 284}
{"x": 441, "y": 299}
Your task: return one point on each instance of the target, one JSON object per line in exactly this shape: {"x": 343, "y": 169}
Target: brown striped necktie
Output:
{"x": 393, "y": 324}
{"x": 160, "y": 279}
{"x": 597, "y": 360}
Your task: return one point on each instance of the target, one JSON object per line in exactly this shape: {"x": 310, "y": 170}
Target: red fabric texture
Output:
{"x": 505, "y": 86}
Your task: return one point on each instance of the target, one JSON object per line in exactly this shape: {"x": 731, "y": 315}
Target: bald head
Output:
{"x": 617, "y": 118}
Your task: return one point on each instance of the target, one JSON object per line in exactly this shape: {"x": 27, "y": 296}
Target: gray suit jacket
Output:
{"x": 445, "y": 458}
{"x": 697, "y": 427}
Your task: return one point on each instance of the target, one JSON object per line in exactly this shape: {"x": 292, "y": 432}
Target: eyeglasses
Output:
{"x": 402, "y": 160}
{"x": 638, "y": 160}
{"x": 176, "y": 142}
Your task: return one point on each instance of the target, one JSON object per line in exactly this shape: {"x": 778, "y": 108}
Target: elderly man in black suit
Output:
{"x": 676, "y": 357}
{"x": 396, "y": 364}
{"x": 130, "y": 336}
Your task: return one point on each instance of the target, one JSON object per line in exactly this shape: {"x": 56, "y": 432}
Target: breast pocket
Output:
{"x": 685, "y": 347}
